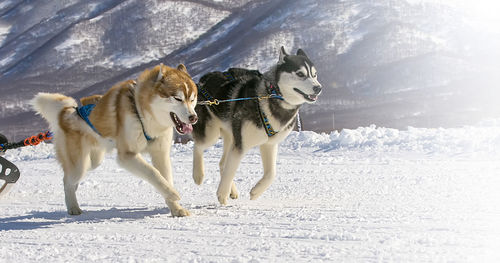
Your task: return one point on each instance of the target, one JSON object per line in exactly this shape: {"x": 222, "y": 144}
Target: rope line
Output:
{"x": 33, "y": 140}
{"x": 217, "y": 102}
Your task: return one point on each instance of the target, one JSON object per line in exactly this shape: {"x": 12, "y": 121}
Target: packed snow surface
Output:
{"x": 363, "y": 195}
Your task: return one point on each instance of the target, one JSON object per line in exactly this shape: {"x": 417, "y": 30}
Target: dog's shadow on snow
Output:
{"x": 40, "y": 219}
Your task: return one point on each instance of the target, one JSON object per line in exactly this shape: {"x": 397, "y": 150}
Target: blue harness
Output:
{"x": 84, "y": 113}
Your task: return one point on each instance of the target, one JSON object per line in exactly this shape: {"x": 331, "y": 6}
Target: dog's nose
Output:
{"x": 317, "y": 89}
{"x": 193, "y": 119}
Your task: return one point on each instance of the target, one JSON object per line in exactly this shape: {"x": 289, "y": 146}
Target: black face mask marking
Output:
{"x": 294, "y": 63}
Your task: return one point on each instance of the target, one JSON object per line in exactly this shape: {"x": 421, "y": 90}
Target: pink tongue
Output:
{"x": 187, "y": 128}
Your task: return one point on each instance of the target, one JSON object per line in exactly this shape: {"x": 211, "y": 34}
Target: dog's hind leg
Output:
{"x": 72, "y": 177}
{"x": 228, "y": 142}
{"x": 159, "y": 150}
{"x": 268, "y": 153}
{"x": 96, "y": 157}
{"x": 75, "y": 165}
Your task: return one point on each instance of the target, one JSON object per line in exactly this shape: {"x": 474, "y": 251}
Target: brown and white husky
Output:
{"x": 133, "y": 117}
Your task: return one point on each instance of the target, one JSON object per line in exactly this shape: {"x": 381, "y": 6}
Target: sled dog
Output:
{"x": 249, "y": 123}
{"x": 133, "y": 117}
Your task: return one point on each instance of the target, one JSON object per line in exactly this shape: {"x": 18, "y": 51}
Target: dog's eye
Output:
{"x": 300, "y": 74}
{"x": 177, "y": 99}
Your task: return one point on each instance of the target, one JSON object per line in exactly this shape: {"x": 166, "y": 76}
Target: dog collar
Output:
{"x": 274, "y": 90}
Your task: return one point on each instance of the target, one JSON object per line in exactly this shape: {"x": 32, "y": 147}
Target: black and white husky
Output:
{"x": 244, "y": 124}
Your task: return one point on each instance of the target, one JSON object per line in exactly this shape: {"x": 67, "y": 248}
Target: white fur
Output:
{"x": 162, "y": 107}
{"x": 46, "y": 105}
{"x": 288, "y": 81}
{"x": 160, "y": 73}
{"x": 231, "y": 158}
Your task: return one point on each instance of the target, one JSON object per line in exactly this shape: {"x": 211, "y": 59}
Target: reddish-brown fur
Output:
{"x": 90, "y": 99}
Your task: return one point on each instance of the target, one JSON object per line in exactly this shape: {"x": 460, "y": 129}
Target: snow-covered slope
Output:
{"x": 365, "y": 195}
{"x": 424, "y": 63}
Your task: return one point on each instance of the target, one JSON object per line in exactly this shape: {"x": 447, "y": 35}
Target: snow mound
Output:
{"x": 443, "y": 141}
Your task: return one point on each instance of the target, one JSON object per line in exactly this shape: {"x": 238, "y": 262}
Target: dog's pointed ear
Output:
{"x": 182, "y": 68}
{"x": 301, "y": 52}
{"x": 160, "y": 73}
{"x": 283, "y": 54}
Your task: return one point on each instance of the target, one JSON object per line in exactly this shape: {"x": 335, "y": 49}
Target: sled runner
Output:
{"x": 9, "y": 173}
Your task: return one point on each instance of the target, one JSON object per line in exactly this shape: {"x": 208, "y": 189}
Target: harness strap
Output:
{"x": 228, "y": 75}
{"x": 132, "y": 86}
{"x": 265, "y": 122}
{"x": 84, "y": 113}
{"x": 148, "y": 138}
{"x": 209, "y": 99}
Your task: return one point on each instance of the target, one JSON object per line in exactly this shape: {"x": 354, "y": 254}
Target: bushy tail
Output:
{"x": 49, "y": 105}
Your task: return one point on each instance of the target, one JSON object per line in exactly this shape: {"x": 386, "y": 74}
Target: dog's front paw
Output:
{"x": 223, "y": 193}
{"x": 234, "y": 194}
{"x": 74, "y": 211}
{"x": 176, "y": 210}
{"x": 254, "y": 194}
{"x": 222, "y": 199}
{"x": 234, "y": 191}
{"x": 181, "y": 212}
{"x": 198, "y": 177}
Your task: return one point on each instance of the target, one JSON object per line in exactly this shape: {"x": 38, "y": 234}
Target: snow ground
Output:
{"x": 364, "y": 195}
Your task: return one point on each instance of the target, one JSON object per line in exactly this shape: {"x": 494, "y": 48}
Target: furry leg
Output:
{"x": 268, "y": 153}
{"x": 73, "y": 175}
{"x": 134, "y": 163}
{"x": 70, "y": 197}
{"x": 200, "y": 144}
{"x": 96, "y": 157}
{"x": 160, "y": 156}
{"x": 198, "y": 164}
{"x": 233, "y": 160}
{"x": 227, "y": 146}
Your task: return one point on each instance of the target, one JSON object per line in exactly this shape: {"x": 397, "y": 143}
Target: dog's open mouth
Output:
{"x": 181, "y": 127}
{"x": 310, "y": 98}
